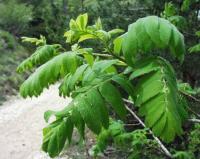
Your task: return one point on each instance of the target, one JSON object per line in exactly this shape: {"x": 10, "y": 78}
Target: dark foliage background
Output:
{"x": 50, "y": 18}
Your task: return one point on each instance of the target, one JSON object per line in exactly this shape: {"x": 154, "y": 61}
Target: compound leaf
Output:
{"x": 41, "y": 55}
{"x": 151, "y": 33}
{"x": 159, "y": 100}
{"x": 112, "y": 96}
{"x": 48, "y": 74}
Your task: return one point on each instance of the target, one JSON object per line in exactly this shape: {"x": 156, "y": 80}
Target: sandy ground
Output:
{"x": 21, "y": 123}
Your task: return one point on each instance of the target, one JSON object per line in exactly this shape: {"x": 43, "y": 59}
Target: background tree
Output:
{"x": 15, "y": 17}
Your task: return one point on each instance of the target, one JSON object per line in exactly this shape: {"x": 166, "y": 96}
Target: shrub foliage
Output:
{"x": 95, "y": 81}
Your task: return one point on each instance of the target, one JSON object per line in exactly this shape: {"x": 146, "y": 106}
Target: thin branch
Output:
{"x": 132, "y": 124}
{"x": 109, "y": 55}
{"x": 128, "y": 101}
{"x": 194, "y": 120}
{"x": 190, "y": 96}
{"x": 192, "y": 111}
{"x": 164, "y": 149}
{"x": 195, "y": 99}
{"x": 118, "y": 57}
{"x": 103, "y": 55}
{"x": 108, "y": 49}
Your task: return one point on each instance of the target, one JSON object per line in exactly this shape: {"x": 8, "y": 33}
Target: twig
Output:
{"x": 103, "y": 55}
{"x": 194, "y": 120}
{"x": 109, "y": 55}
{"x": 189, "y": 109}
{"x": 128, "y": 101}
{"x": 192, "y": 97}
{"x": 195, "y": 99}
{"x": 164, "y": 149}
{"x": 132, "y": 124}
{"x": 118, "y": 57}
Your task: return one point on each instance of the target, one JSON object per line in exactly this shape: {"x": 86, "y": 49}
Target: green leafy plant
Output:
{"x": 7, "y": 41}
{"x": 171, "y": 13}
{"x": 95, "y": 81}
{"x": 36, "y": 41}
{"x": 132, "y": 142}
{"x": 15, "y": 16}
{"x": 196, "y": 47}
{"x": 194, "y": 140}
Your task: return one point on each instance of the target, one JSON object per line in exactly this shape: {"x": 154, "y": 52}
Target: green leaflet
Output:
{"x": 87, "y": 75}
{"x": 177, "y": 45}
{"x": 125, "y": 84}
{"x": 159, "y": 100}
{"x": 41, "y": 55}
{"x": 58, "y": 114}
{"x": 48, "y": 114}
{"x": 89, "y": 58}
{"x": 69, "y": 111}
{"x": 81, "y": 31}
{"x": 120, "y": 138}
{"x": 78, "y": 121}
{"x": 88, "y": 113}
{"x": 115, "y": 129}
{"x": 195, "y": 49}
{"x": 48, "y": 74}
{"x": 55, "y": 136}
{"x": 82, "y": 21}
{"x": 69, "y": 82}
{"x": 165, "y": 32}
{"x": 93, "y": 108}
{"x": 38, "y": 42}
{"x": 89, "y": 106}
{"x": 103, "y": 65}
{"x": 86, "y": 37}
{"x": 143, "y": 67}
{"x": 152, "y": 84}
{"x": 185, "y": 88}
{"x": 98, "y": 104}
{"x": 102, "y": 142}
{"x": 150, "y": 33}
{"x": 152, "y": 29}
{"x": 64, "y": 89}
{"x": 118, "y": 44}
{"x": 98, "y": 69}
{"x": 97, "y": 77}
{"x": 142, "y": 33}
{"x": 112, "y": 96}
{"x": 115, "y": 31}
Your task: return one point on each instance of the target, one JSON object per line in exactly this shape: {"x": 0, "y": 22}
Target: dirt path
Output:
{"x": 21, "y": 123}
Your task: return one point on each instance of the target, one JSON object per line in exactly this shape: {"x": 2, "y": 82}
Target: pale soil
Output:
{"x": 21, "y": 123}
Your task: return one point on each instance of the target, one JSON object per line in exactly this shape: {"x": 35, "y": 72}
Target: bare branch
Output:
{"x": 190, "y": 96}
{"x": 192, "y": 111}
{"x": 194, "y": 120}
{"x": 164, "y": 149}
